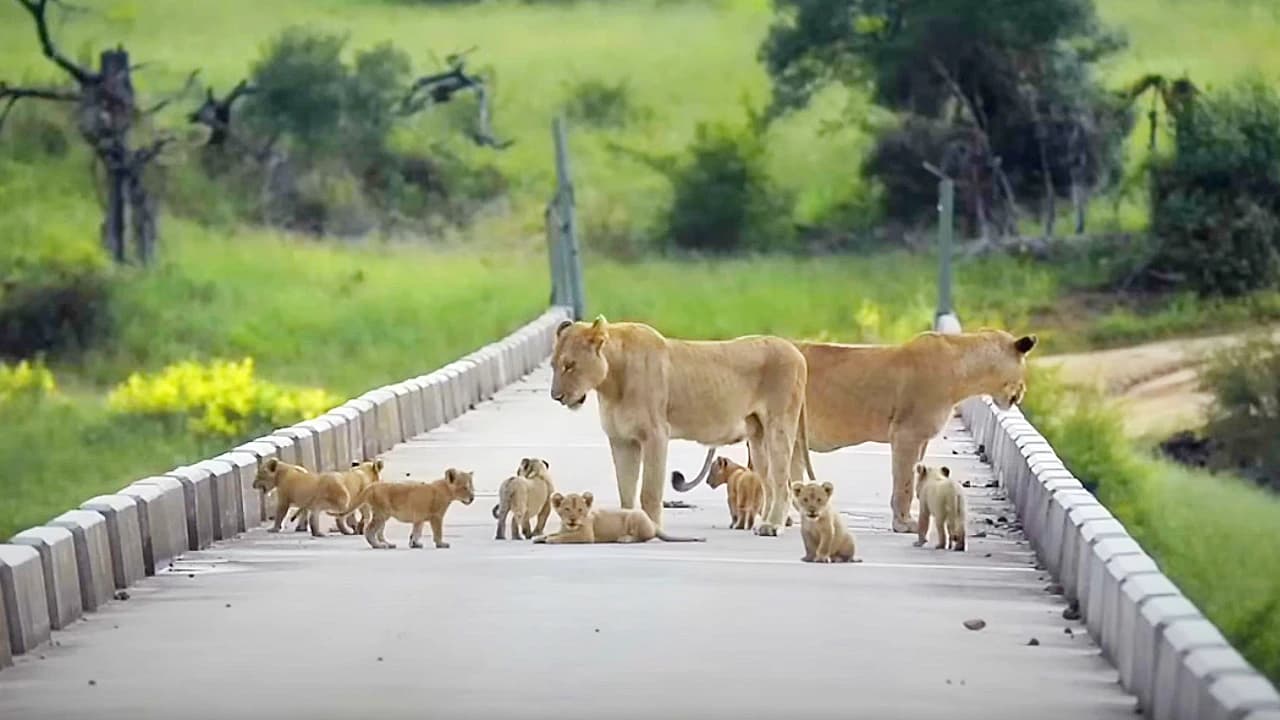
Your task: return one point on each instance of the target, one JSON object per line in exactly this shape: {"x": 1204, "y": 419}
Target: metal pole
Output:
{"x": 944, "y": 320}
{"x": 568, "y": 220}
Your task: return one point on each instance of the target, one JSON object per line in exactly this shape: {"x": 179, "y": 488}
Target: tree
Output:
{"x": 1000, "y": 94}
{"x": 106, "y": 115}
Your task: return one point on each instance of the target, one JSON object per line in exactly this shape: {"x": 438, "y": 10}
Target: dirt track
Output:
{"x": 1156, "y": 384}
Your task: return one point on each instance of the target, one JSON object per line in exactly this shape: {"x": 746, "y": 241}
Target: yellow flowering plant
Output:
{"x": 25, "y": 380}
{"x": 222, "y": 398}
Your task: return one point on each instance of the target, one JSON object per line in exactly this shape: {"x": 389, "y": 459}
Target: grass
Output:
{"x": 1190, "y": 522}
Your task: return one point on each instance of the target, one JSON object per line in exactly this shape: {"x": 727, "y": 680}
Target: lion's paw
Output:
{"x": 442, "y": 545}
{"x": 904, "y": 526}
{"x": 767, "y": 530}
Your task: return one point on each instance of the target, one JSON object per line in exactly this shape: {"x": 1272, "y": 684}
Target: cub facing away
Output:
{"x": 582, "y": 523}
{"x": 416, "y": 503}
{"x": 826, "y": 538}
{"x": 295, "y": 485}
{"x": 525, "y": 495}
{"x": 360, "y": 476}
{"x": 942, "y": 497}
{"x": 745, "y": 489}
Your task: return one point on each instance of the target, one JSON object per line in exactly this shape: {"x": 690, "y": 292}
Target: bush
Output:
{"x": 724, "y": 199}
{"x": 1216, "y": 199}
{"x": 1244, "y": 418}
{"x": 223, "y": 398}
{"x": 601, "y": 104}
{"x": 25, "y": 381}
{"x": 54, "y": 291}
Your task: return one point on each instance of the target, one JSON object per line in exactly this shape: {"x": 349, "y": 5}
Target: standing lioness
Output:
{"x": 652, "y": 389}
{"x": 902, "y": 395}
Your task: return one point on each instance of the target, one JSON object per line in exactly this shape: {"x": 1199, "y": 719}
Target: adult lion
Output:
{"x": 652, "y": 390}
{"x": 901, "y": 395}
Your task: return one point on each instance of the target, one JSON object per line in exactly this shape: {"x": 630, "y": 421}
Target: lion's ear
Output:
{"x": 589, "y": 498}
{"x": 1024, "y": 344}
{"x": 546, "y": 464}
{"x": 796, "y": 488}
{"x": 599, "y": 323}
{"x": 921, "y": 470}
{"x": 557, "y": 500}
{"x": 946, "y": 471}
{"x": 271, "y": 464}
{"x": 599, "y": 332}
{"x": 563, "y": 324}
{"x": 451, "y": 475}
{"x": 828, "y": 488}
{"x": 378, "y": 465}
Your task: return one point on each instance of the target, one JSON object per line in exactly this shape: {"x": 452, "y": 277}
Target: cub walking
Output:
{"x": 524, "y": 495}
{"x": 416, "y": 503}
{"x": 942, "y": 497}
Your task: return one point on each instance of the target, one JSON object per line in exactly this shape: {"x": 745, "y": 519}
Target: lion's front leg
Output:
{"x": 626, "y": 468}
{"x": 906, "y": 453}
{"x": 655, "y": 476}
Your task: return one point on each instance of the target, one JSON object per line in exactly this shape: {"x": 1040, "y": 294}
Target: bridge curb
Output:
{"x": 1167, "y": 653}
{"x": 51, "y": 575}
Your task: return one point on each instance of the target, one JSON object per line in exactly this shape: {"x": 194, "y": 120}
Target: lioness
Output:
{"x": 903, "y": 395}
{"x": 826, "y": 538}
{"x": 653, "y": 389}
{"x": 524, "y": 495}
{"x": 580, "y": 523}
{"x": 942, "y": 497}
{"x": 295, "y": 485}
{"x": 413, "y": 502}
{"x": 745, "y": 490}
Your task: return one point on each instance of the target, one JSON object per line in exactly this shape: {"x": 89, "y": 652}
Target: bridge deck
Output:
{"x": 287, "y": 625}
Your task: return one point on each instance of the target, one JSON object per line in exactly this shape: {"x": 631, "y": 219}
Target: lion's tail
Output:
{"x": 802, "y": 437}
{"x": 675, "y": 538}
{"x": 504, "y": 500}
{"x": 679, "y": 484}
{"x": 359, "y": 501}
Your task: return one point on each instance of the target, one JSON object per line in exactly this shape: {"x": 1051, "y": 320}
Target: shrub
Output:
{"x": 724, "y": 199}
{"x": 1216, "y": 199}
{"x": 223, "y": 398}
{"x": 1244, "y": 417}
{"x": 54, "y": 288}
{"x": 26, "y": 380}
{"x": 601, "y": 104}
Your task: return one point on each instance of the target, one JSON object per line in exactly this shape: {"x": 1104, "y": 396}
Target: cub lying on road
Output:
{"x": 295, "y": 485}
{"x": 942, "y": 497}
{"x": 524, "y": 495}
{"x": 413, "y": 502}
{"x": 580, "y": 523}
{"x": 826, "y": 538}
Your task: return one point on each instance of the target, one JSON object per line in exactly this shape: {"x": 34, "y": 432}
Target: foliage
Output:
{"x": 601, "y": 104}
{"x": 25, "y": 381}
{"x": 724, "y": 199}
{"x": 1005, "y": 92}
{"x": 54, "y": 288}
{"x": 222, "y": 398}
{"x": 1245, "y": 415}
{"x": 1216, "y": 199}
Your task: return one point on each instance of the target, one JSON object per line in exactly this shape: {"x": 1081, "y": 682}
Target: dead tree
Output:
{"x": 106, "y": 114}
{"x": 215, "y": 113}
{"x": 440, "y": 88}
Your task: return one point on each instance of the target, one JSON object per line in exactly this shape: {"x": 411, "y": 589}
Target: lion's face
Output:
{"x": 460, "y": 485}
{"x": 572, "y": 509}
{"x": 1011, "y": 368}
{"x": 811, "y": 498}
{"x": 533, "y": 467}
{"x": 265, "y": 479}
{"x": 371, "y": 469}
{"x": 578, "y": 365}
{"x": 720, "y": 469}
{"x": 926, "y": 474}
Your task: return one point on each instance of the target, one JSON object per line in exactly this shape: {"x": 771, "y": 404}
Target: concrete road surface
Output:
{"x": 286, "y": 625}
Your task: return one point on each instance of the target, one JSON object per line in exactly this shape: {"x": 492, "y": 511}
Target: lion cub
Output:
{"x": 412, "y": 502}
{"x": 524, "y": 495}
{"x": 360, "y": 476}
{"x": 745, "y": 489}
{"x": 296, "y": 485}
{"x": 580, "y": 523}
{"x": 826, "y": 539}
{"x": 942, "y": 497}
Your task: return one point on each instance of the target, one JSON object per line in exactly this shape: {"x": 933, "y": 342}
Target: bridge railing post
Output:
{"x": 562, "y": 221}
{"x": 945, "y": 319}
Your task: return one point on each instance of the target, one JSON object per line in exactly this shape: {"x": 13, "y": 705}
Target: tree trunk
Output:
{"x": 141, "y": 217}
{"x": 114, "y": 223}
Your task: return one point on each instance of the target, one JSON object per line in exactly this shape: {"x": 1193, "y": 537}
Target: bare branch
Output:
{"x": 11, "y": 95}
{"x": 143, "y": 156}
{"x": 38, "y": 9}
{"x": 439, "y": 88}
{"x": 182, "y": 92}
{"x": 216, "y": 114}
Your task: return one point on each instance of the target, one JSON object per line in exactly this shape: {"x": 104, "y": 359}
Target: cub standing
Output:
{"x": 745, "y": 489}
{"x": 524, "y": 495}
{"x": 417, "y": 503}
{"x": 942, "y": 497}
{"x": 826, "y": 539}
{"x": 295, "y": 485}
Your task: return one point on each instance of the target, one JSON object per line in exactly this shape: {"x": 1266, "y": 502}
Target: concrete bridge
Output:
{"x": 170, "y": 599}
